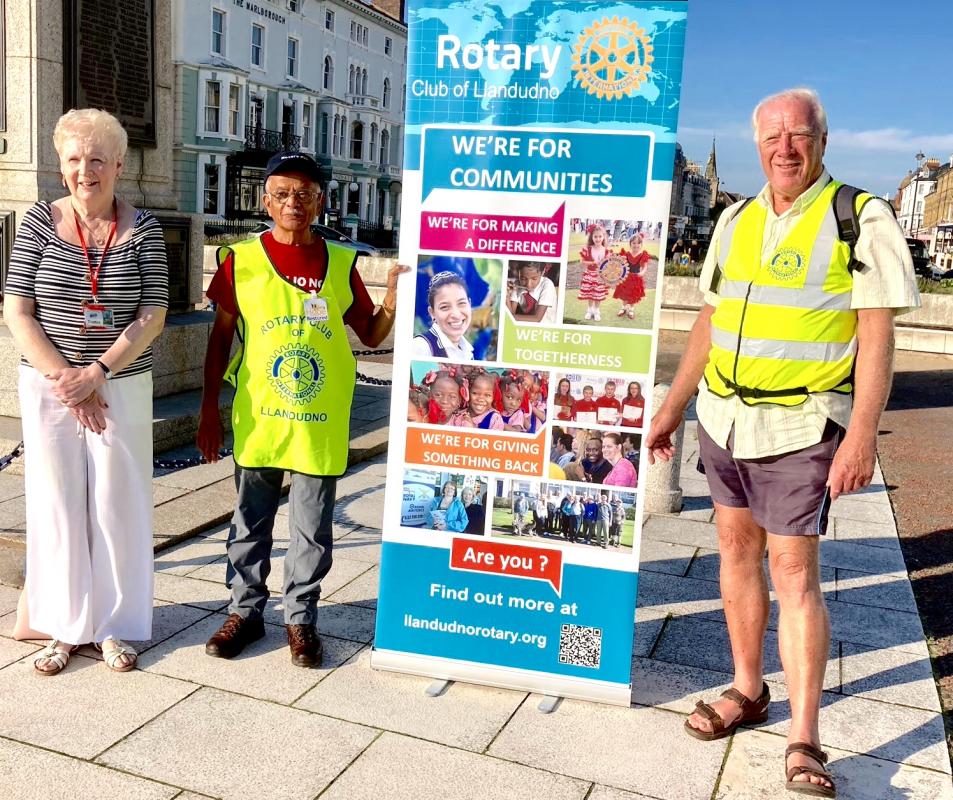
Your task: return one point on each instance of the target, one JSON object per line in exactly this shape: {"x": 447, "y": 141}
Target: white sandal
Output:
{"x": 112, "y": 655}
{"x": 54, "y": 653}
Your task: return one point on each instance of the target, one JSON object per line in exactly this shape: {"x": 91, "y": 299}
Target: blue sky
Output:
{"x": 884, "y": 71}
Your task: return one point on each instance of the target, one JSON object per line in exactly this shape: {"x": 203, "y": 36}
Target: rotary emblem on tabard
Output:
{"x": 786, "y": 264}
{"x": 296, "y": 373}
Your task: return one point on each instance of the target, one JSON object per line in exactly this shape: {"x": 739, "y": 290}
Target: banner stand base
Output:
{"x": 548, "y": 704}
{"x": 437, "y": 688}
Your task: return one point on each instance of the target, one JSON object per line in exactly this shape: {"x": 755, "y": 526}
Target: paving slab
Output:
{"x": 198, "y": 745}
{"x": 876, "y": 627}
{"x": 890, "y": 732}
{"x": 355, "y": 623}
{"x": 754, "y": 770}
{"x": 191, "y": 591}
{"x": 465, "y": 716}
{"x": 869, "y": 533}
{"x": 861, "y": 557}
{"x": 692, "y": 533}
{"x": 263, "y": 670}
{"x": 596, "y": 743}
{"x": 10, "y": 486}
{"x": 890, "y": 675}
{"x": 362, "y": 591}
{"x": 892, "y": 590}
{"x": 8, "y": 599}
{"x": 361, "y": 544}
{"x": 30, "y": 773}
{"x": 606, "y": 793}
{"x": 13, "y": 514}
{"x": 192, "y": 478}
{"x": 103, "y": 706}
{"x": 680, "y": 597}
{"x": 364, "y": 507}
{"x": 185, "y": 558}
{"x": 190, "y": 513}
{"x": 665, "y": 557}
{"x": 11, "y": 650}
{"x": 398, "y": 768}
{"x": 846, "y": 507}
{"x": 163, "y": 494}
{"x": 704, "y": 643}
{"x": 648, "y": 628}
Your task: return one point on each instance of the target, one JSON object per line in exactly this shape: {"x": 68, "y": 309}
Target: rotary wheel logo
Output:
{"x": 612, "y": 58}
{"x": 786, "y": 264}
{"x": 297, "y": 373}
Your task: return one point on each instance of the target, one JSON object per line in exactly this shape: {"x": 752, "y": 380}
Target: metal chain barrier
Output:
{"x": 8, "y": 459}
{"x": 183, "y": 463}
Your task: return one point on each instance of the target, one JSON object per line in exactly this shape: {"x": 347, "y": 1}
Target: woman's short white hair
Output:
{"x": 93, "y": 124}
{"x": 801, "y": 93}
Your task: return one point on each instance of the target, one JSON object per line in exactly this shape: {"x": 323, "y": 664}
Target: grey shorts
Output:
{"x": 787, "y": 494}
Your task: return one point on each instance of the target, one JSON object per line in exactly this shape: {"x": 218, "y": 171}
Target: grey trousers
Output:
{"x": 308, "y": 560}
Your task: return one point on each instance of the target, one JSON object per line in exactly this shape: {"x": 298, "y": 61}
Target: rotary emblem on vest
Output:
{"x": 296, "y": 373}
{"x": 787, "y": 264}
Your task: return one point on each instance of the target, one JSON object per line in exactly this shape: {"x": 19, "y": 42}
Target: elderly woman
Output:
{"x": 476, "y": 513}
{"x": 446, "y": 512}
{"x": 85, "y": 296}
{"x": 622, "y": 472}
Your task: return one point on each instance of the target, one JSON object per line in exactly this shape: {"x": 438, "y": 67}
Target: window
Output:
{"x": 334, "y": 135}
{"x": 329, "y": 20}
{"x": 257, "y": 45}
{"x": 364, "y": 82}
{"x": 213, "y": 104}
{"x": 307, "y": 114}
{"x": 388, "y": 45}
{"x": 292, "y": 5}
{"x": 385, "y": 148}
{"x": 324, "y": 134}
{"x": 358, "y": 33}
{"x": 386, "y": 98}
{"x": 357, "y": 141}
{"x": 350, "y": 79}
{"x": 234, "y": 100}
{"x": 372, "y": 144}
{"x": 341, "y": 133}
{"x": 218, "y": 32}
{"x": 353, "y": 29}
{"x": 292, "y": 57}
{"x": 354, "y": 201}
{"x": 288, "y": 122}
{"x": 328, "y": 73}
{"x": 365, "y": 35}
{"x": 210, "y": 190}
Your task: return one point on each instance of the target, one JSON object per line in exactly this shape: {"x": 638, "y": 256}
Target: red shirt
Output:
{"x": 583, "y": 407}
{"x": 303, "y": 265}
{"x": 638, "y": 402}
{"x": 609, "y": 402}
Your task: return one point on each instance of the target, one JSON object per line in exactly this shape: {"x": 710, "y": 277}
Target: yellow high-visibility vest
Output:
{"x": 783, "y": 327}
{"x": 294, "y": 378}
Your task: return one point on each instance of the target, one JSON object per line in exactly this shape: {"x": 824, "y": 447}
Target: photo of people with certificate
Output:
{"x": 590, "y": 400}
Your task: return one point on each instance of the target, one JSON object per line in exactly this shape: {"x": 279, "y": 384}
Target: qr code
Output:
{"x": 580, "y": 645}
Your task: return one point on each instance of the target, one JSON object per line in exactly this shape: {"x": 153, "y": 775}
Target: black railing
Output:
{"x": 270, "y": 141}
{"x": 233, "y": 227}
{"x": 376, "y": 236}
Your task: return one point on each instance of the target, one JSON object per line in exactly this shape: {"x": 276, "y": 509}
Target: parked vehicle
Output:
{"x": 921, "y": 260}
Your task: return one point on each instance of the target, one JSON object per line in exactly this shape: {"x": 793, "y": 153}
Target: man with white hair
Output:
{"x": 792, "y": 354}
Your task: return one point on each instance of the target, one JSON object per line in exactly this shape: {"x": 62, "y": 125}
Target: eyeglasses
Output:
{"x": 302, "y": 196}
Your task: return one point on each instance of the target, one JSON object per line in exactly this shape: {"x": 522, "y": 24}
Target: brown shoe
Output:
{"x": 305, "y": 644}
{"x": 237, "y": 632}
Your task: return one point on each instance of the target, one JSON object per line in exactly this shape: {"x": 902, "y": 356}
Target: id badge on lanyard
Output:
{"x": 96, "y": 316}
{"x": 316, "y": 308}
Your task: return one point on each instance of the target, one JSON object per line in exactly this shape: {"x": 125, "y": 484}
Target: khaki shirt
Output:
{"x": 887, "y": 281}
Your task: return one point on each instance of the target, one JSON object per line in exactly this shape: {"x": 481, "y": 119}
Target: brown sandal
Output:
{"x": 751, "y": 711}
{"x": 806, "y": 787}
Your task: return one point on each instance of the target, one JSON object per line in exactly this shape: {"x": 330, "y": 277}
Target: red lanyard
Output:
{"x": 94, "y": 273}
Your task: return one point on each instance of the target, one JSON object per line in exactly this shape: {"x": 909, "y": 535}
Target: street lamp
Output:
{"x": 914, "y": 222}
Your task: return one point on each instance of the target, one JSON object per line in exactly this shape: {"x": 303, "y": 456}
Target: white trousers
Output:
{"x": 88, "y": 513}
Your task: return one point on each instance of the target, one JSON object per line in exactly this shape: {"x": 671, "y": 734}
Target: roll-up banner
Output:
{"x": 538, "y": 152}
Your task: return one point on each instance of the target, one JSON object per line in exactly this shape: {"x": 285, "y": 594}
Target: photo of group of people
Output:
{"x": 456, "y": 308}
{"x": 612, "y": 273}
{"x": 563, "y": 513}
{"x": 444, "y": 501}
{"x": 593, "y": 400}
{"x": 472, "y": 396}
{"x": 607, "y": 458}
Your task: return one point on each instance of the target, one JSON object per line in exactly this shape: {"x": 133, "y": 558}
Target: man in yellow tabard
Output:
{"x": 792, "y": 354}
{"x": 289, "y": 295}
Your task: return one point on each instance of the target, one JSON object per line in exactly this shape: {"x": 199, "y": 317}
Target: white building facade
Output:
{"x": 252, "y": 78}
{"x": 913, "y": 189}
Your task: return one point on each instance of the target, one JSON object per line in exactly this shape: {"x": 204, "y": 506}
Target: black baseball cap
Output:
{"x": 290, "y": 161}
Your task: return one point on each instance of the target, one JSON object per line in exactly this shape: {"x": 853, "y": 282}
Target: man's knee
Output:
{"x": 740, "y": 539}
{"x": 795, "y": 573}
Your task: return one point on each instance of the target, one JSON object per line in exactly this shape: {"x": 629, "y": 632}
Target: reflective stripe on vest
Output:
{"x": 294, "y": 379}
{"x": 783, "y": 327}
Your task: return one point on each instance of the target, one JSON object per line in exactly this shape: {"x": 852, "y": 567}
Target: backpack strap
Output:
{"x": 848, "y": 217}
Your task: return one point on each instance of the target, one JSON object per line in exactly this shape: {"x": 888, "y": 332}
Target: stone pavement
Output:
{"x": 171, "y": 729}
